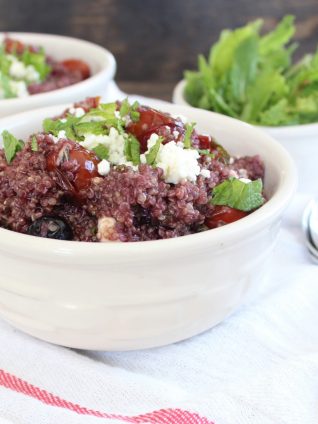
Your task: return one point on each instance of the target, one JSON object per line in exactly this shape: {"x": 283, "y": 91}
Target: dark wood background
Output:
{"x": 155, "y": 40}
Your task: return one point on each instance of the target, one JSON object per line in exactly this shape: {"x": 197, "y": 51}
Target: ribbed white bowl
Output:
{"x": 121, "y": 296}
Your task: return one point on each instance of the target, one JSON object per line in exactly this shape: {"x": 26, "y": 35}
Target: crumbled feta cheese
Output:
{"x": 143, "y": 158}
{"x": 205, "y": 173}
{"x": 177, "y": 163}
{"x": 231, "y": 161}
{"x": 19, "y": 88}
{"x": 63, "y": 120}
{"x": 242, "y": 173}
{"x": 176, "y": 134}
{"x": 78, "y": 112}
{"x": 115, "y": 143}
{"x": 245, "y": 180}
{"x": 61, "y": 135}
{"x": 19, "y": 70}
{"x": 103, "y": 167}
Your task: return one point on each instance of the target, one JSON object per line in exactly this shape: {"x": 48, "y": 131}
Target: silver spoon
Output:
{"x": 310, "y": 227}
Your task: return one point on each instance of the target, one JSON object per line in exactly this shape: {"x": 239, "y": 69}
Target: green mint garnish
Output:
{"x": 187, "y": 136}
{"x": 94, "y": 127}
{"x": 38, "y": 61}
{"x": 101, "y": 151}
{"x": 132, "y": 150}
{"x": 124, "y": 108}
{"x": 206, "y": 152}
{"x": 129, "y": 110}
{"x": 34, "y": 144}
{"x": 153, "y": 152}
{"x": 238, "y": 195}
{"x": 11, "y": 145}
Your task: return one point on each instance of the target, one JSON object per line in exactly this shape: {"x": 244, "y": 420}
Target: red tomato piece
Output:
{"x": 13, "y": 46}
{"x": 224, "y": 215}
{"x": 151, "y": 121}
{"x": 75, "y": 65}
{"x": 72, "y": 157}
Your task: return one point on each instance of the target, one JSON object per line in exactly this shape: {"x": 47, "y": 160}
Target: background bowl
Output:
{"x": 301, "y": 141}
{"x": 122, "y": 296}
{"x": 101, "y": 61}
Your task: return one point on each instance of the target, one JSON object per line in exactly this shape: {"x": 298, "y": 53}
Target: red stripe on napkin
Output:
{"x": 163, "y": 416}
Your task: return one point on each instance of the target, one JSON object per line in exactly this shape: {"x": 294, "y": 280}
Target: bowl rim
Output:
{"x": 105, "y": 58}
{"x": 27, "y": 245}
{"x": 284, "y": 131}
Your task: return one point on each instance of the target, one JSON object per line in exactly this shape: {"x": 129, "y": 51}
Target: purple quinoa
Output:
{"x": 121, "y": 172}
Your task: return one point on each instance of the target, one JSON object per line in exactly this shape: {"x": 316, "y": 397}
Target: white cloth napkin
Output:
{"x": 260, "y": 366}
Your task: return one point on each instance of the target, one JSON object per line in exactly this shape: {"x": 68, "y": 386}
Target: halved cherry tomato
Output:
{"x": 151, "y": 121}
{"x": 75, "y": 65}
{"x": 13, "y": 46}
{"x": 224, "y": 215}
{"x": 84, "y": 170}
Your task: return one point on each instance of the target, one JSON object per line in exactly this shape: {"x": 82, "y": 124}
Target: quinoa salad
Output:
{"x": 122, "y": 172}
{"x": 27, "y": 70}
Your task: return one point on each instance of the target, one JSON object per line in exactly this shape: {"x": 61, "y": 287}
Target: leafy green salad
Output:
{"x": 251, "y": 77}
{"x": 20, "y": 68}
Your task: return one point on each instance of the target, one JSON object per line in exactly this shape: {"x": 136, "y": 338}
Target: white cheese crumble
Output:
{"x": 176, "y": 162}
{"x": 103, "y": 167}
{"x": 176, "y": 134}
{"x": 245, "y": 180}
{"x": 19, "y": 88}
{"x": 78, "y": 112}
{"x": 115, "y": 143}
{"x": 19, "y": 70}
{"x": 205, "y": 173}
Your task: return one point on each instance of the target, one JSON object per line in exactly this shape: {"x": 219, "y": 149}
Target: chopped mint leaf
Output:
{"x": 129, "y": 110}
{"x": 206, "y": 152}
{"x": 135, "y": 115}
{"x": 54, "y": 126}
{"x": 94, "y": 127}
{"x": 101, "y": 151}
{"x": 187, "y": 136}
{"x": 38, "y": 61}
{"x": 124, "y": 108}
{"x": 5, "y": 86}
{"x": 132, "y": 150}
{"x": 153, "y": 152}
{"x": 34, "y": 144}
{"x": 11, "y": 145}
{"x": 238, "y": 194}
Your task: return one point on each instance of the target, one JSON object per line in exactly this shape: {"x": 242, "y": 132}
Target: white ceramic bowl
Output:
{"x": 301, "y": 141}
{"x": 122, "y": 296}
{"x": 101, "y": 61}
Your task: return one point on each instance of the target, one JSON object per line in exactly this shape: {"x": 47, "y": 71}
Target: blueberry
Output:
{"x": 51, "y": 227}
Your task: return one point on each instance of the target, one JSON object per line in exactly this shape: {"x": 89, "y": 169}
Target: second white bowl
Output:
{"x": 301, "y": 141}
{"x": 101, "y": 62}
